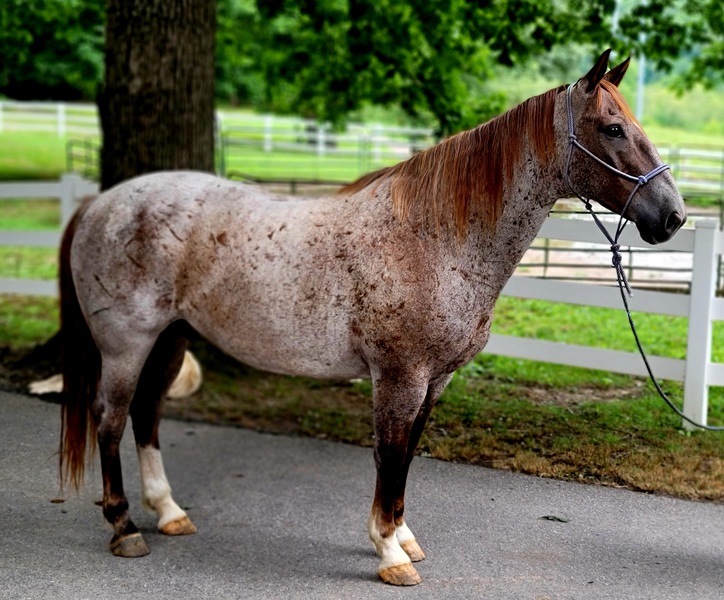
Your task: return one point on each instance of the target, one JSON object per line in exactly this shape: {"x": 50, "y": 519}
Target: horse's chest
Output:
{"x": 442, "y": 325}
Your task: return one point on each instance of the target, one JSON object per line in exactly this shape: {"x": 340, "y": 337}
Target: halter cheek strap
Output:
{"x": 639, "y": 181}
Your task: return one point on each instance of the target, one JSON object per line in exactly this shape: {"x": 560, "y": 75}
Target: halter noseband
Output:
{"x": 639, "y": 181}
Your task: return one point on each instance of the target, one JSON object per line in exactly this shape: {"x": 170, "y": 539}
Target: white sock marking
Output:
{"x": 388, "y": 549}
{"x": 156, "y": 492}
{"x": 403, "y": 533}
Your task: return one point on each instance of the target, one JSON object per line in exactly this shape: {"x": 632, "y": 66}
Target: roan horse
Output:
{"x": 394, "y": 278}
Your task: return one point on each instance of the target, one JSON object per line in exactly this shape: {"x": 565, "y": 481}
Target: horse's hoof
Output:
{"x": 130, "y": 546}
{"x": 180, "y": 526}
{"x": 404, "y": 574}
{"x": 413, "y": 550}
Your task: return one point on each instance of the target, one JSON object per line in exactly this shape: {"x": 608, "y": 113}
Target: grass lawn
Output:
{"x": 25, "y": 156}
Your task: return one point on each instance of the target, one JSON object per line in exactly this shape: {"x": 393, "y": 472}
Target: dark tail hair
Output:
{"x": 81, "y": 366}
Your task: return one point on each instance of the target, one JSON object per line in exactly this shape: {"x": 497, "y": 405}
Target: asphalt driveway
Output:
{"x": 283, "y": 517}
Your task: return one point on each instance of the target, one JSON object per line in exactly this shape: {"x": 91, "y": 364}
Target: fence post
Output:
{"x": 701, "y": 302}
{"x": 61, "y": 119}
{"x": 219, "y": 144}
{"x": 68, "y": 182}
{"x": 320, "y": 139}
{"x": 376, "y": 150}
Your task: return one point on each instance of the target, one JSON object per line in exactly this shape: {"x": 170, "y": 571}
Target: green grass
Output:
{"x": 664, "y": 136}
{"x": 30, "y": 214}
{"x": 294, "y": 165}
{"x": 33, "y": 156}
{"x": 27, "y": 320}
{"x": 26, "y": 262}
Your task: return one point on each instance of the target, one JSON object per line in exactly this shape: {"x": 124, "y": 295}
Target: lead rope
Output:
{"x": 615, "y": 247}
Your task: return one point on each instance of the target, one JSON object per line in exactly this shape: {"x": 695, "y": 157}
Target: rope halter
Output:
{"x": 638, "y": 180}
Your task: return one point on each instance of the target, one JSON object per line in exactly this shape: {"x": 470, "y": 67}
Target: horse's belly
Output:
{"x": 289, "y": 346}
{"x": 304, "y": 359}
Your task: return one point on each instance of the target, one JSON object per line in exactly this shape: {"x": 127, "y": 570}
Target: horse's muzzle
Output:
{"x": 662, "y": 231}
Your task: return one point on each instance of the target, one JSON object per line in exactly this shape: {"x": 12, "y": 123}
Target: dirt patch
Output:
{"x": 578, "y": 395}
{"x": 19, "y": 367}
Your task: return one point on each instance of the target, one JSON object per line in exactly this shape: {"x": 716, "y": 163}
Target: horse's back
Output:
{"x": 246, "y": 269}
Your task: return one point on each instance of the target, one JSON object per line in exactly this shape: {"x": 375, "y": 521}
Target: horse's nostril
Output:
{"x": 673, "y": 222}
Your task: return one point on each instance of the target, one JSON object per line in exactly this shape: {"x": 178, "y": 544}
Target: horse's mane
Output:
{"x": 468, "y": 169}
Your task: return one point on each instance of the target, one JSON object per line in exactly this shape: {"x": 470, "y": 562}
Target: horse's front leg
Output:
{"x": 401, "y": 407}
{"x": 403, "y": 533}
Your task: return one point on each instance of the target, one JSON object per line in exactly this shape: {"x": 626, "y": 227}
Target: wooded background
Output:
{"x": 433, "y": 60}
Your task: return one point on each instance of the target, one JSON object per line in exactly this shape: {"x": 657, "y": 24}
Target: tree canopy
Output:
{"x": 665, "y": 30}
{"x": 325, "y": 58}
{"x": 51, "y": 49}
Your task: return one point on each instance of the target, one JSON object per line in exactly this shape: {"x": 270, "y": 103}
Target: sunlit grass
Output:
{"x": 31, "y": 156}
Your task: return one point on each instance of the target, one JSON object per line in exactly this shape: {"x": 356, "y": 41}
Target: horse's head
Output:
{"x": 633, "y": 182}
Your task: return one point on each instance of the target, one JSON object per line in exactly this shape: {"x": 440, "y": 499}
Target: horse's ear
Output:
{"x": 595, "y": 75}
{"x": 616, "y": 74}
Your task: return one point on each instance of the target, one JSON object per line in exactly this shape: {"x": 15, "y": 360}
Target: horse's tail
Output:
{"x": 81, "y": 362}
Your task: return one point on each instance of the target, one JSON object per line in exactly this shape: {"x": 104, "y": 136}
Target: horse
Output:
{"x": 393, "y": 278}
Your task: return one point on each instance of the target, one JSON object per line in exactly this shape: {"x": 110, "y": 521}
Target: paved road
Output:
{"x": 285, "y": 518}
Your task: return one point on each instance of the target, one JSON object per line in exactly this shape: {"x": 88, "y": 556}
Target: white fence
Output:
{"x": 342, "y": 156}
{"x": 68, "y": 190}
{"x": 697, "y": 170}
{"x": 58, "y": 118}
{"x": 705, "y": 242}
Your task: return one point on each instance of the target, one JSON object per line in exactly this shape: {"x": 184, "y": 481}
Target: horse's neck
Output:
{"x": 534, "y": 191}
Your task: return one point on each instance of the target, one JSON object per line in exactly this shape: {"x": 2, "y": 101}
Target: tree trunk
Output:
{"x": 157, "y": 106}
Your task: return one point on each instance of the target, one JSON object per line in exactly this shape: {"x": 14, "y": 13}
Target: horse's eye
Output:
{"x": 614, "y": 131}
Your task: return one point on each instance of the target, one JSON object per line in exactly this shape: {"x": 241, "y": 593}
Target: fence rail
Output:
{"x": 59, "y": 118}
{"x": 305, "y": 149}
{"x": 701, "y": 306}
{"x": 698, "y": 170}
{"x": 704, "y": 242}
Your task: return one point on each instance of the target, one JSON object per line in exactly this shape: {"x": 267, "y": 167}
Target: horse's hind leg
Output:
{"x": 119, "y": 375}
{"x": 401, "y": 407}
{"x": 158, "y": 373}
